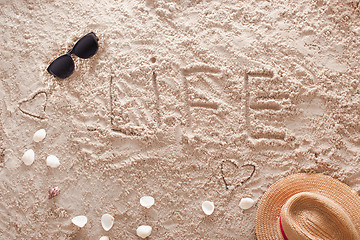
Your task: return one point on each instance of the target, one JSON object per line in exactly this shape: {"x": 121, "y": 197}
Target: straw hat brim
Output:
{"x": 268, "y": 212}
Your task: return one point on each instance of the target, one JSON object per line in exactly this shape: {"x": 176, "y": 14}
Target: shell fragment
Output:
{"x": 246, "y": 203}
{"x": 52, "y": 161}
{"x": 39, "y": 135}
{"x": 104, "y": 238}
{"x": 28, "y": 157}
{"x": 208, "y": 207}
{"x": 79, "y": 221}
{"x": 147, "y": 201}
{"x": 107, "y": 221}
{"x": 143, "y": 231}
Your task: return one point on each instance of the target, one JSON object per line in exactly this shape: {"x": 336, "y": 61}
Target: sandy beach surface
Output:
{"x": 185, "y": 101}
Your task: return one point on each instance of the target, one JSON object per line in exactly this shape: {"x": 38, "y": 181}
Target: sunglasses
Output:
{"x": 85, "y": 47}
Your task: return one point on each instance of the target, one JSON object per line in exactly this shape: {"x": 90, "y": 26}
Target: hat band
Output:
{"x": 282, "y": 230}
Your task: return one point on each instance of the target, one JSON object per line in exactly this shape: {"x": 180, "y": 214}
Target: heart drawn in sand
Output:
{"x": 35, "y": 105}
{"x": 234, "y": 175}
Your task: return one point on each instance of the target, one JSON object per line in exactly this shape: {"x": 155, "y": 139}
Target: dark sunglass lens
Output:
{"x": 62, "y": 67}
{"x": 86, "y": 47}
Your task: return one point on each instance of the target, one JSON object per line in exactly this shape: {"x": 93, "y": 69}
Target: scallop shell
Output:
{"x": 246, "y": 203}
{"x": 39, "y": 135}
{"x": 79, "y": 221}
{"x": 28, "y": 157}
{"x": 107, "y": 221}
{"x": 147, "y": 201}
{"x": 143, "y": 231}
{"x": 52, "y": 161}
{"x": 208, "y": 207}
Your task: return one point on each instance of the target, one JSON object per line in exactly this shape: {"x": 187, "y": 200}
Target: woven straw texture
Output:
{"x": 268, "y": 212}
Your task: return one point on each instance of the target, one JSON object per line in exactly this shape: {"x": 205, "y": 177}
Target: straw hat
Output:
{"x": 308, "y": 206}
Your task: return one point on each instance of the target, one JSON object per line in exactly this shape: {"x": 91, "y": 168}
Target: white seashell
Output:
{"x": 104, "y": 238}
{"x": 208, "y": 207}
{"x": 79, "y": 221}
{"x": 147, "y": 201}
{"x": 28, "y": 157}
{"x": 246, "y": 203}
{"x": 52, "y": 161}
{"x": 107, "y": 221}
{"x": 143, "y": 231}
{"x": 39, "y": 135}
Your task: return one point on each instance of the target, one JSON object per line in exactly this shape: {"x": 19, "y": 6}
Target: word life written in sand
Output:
{"x": 133, "y": 125}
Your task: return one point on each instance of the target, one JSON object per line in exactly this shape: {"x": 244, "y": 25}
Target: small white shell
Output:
{"x": 79, "y": 221}
{"x": 107, "y": 221}
{"x": 39, "y": 135}
{"x": 246, "y": 203}
{"x": 147, "y": 201}
{"x": 143, "y": 231}
{"x": 104, "y": 238}
{"x": 208, "y": 207}
{"x": 52, "y": 161}
{"x": 28, "y": 157}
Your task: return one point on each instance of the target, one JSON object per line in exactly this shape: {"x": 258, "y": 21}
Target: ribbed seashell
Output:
{"x": 53, "y": 192}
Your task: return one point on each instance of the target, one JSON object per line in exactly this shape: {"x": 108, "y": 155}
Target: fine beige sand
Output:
{"x": 185, "y": 101}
